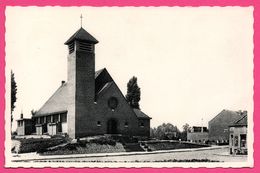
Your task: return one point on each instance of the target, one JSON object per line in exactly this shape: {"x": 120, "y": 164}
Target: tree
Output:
{"x": 183, "y": 135}
{"x": 165, "y": 131}
{"x": 186, "y": 127}
{"x": 13, "y": 95}
{"x": 133, "y": 93}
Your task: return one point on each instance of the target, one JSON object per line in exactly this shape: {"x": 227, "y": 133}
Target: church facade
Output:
{"x": 90, "y": 102}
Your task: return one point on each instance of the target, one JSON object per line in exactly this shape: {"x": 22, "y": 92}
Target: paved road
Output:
{"x": 220, "y": 154}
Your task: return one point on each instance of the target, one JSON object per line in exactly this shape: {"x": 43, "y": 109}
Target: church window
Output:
{"x": 98, "y": 123}
{"x": 112, "y": 102}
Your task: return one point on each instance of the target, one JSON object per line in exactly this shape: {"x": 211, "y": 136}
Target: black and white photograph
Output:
{"x": 129, "y": 86}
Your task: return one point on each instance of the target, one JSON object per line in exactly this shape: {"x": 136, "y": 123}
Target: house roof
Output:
{"x": 140, "y": 114}
{"x": 227, "y": 116}
{"x": 58, "y": 102}
{"x": 241, "y": 121}
{"x": 81, "y": 35}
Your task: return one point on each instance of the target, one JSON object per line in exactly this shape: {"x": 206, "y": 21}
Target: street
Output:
{"x": 217, "y": 154}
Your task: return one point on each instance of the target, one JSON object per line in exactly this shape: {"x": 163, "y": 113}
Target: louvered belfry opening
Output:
{"x": 84, "y": 46}
{"x": 71, "y": 47}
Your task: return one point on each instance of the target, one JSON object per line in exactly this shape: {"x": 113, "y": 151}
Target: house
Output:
{"x": 90, "y": 102}
{"x": 24, "y": 126}
{"x": 219, "y": 125}
{"x": 198, "y": 134}
{"x": 238, "y": 136}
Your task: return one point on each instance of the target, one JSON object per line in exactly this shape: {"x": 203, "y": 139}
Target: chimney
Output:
{"x": 62, "y": 82}
{"x": 21, "y": 115}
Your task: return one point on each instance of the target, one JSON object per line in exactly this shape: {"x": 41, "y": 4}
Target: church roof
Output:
{"x": 140, "y": 114}
{"x": 58, "y": 103}
{"x": 81, "y": 35}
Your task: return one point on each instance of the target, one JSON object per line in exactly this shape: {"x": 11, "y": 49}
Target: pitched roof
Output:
{"x": 81, "y": 35}
{"x": 241, "y": 121}
{"x": 227, "y": 116}
{"x": 57, "y": 103}
{"x": 97, "y": 73}
{"x": 140, "y": 114}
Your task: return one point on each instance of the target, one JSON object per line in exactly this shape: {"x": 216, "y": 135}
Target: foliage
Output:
{"x": 133, "y": 95}
{"x": 165, "y": 132}
{"x": 38, "y": 145}
{"x": 183, "y": 135}
{"x": 104, "y": 141}
{"x": 186, "y": 127}
{"x": 13, "y": 95}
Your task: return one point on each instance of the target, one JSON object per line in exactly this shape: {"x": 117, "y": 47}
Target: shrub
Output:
{"x": 104, "y": 141}
{"x": 38, "y": 145}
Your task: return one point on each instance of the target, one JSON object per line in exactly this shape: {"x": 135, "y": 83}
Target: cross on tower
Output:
{"x": 81, "y": 20}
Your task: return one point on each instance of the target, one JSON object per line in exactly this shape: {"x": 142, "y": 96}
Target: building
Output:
{"x": 219, "y": 125}
{"x": 198, "y": 134}
{"x": 238, "y": 136}
{"x": 24, "y": 126}
{"x": 90, "y": 102}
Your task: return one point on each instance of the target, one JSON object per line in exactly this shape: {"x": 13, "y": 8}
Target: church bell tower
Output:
{"x": 81, "y": 81}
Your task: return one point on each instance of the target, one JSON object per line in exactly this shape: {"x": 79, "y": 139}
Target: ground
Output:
{"x": 214, "y": 154}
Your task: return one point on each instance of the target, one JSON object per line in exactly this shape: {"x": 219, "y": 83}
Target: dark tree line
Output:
{"x": 13, "y": 95}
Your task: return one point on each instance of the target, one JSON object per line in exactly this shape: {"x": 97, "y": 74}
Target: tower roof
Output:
{"x": 81, "y": 35}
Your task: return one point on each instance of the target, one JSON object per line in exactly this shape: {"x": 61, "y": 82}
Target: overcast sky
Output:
{"x": 191, "y": 63}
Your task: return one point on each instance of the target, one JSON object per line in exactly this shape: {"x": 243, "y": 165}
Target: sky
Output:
{"x": 191, "y": 62}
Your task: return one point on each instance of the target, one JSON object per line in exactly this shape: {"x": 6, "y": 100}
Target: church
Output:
{"x": 89, "y": 103}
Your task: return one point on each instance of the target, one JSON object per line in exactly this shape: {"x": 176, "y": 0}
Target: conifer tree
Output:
{"x": 133, "y": 93}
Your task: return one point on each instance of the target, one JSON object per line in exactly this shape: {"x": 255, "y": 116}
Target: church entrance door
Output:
{"x": 112, "y": 126}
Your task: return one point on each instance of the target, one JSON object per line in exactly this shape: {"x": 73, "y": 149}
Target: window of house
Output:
{"x": 236, "y": 141}
{"x": 55, "y": 118}
{"x": 231, "y": 138}
{"x": 63, "y": 118}
{"x": 141, "y": 124}
{"x": 41, "y": 120}
{"x": 243, "y": 140}
{"x": 48, "y": 119}
{"x": 38, "y": 120}
{"x": 98, "y": 123}
{"x": 126, "y": 124}
{"x": 20, "y": 123}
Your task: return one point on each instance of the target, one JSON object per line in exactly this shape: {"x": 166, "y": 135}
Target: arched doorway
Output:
{"x": 112, "y": 126}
